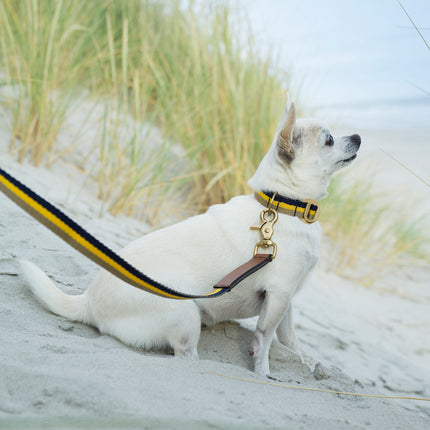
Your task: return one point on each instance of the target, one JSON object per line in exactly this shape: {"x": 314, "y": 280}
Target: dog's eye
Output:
{"x": 329, "y": 141}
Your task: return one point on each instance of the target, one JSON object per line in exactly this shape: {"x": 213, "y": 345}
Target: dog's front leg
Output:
{"x": 286, "y": 333}
{"x": 274, "y": 307}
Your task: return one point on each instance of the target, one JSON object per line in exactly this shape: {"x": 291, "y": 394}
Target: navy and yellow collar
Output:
{"x": 307, "y": 210}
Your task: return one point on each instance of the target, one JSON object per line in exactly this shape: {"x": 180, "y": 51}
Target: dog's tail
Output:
{"x": 74, "y": 308}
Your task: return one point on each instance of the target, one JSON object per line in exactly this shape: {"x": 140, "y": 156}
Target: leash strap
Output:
{"x": 71, "y": 232}
{"x": 242, "y": 272}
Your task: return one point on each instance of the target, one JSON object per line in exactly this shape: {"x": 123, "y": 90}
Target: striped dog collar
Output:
{"x": 307, "y": 210}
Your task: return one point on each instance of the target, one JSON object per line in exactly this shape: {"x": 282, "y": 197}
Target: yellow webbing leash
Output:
{"x": 64, "y": 227}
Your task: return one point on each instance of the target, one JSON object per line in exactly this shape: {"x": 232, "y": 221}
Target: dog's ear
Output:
{"x": 285, "y": 137}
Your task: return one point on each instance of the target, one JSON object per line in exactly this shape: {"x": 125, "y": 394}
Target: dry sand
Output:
{"x": 58, "y": 374}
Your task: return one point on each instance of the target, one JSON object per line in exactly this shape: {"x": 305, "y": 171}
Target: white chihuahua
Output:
{"x": 193, "y": 255}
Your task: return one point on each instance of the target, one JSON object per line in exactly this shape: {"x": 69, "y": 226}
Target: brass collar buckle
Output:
{"x": 309, "y": 204}
{"x": 307, "y": 210}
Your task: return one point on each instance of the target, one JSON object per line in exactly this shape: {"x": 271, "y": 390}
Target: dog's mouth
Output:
{"x": 347, "y": 160}
{"x": 352, "y": 145}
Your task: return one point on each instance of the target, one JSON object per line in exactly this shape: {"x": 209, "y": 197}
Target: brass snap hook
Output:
{"x": 264, "y": 243}
{"x": 268, "y": 218}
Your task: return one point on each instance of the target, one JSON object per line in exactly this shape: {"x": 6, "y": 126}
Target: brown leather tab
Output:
{"x": 242, "y": 272}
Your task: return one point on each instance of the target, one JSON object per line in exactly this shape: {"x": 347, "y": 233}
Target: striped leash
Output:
{"x": 71, "y": 232}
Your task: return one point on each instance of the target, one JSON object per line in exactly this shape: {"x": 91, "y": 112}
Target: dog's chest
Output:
{"x": 298, "y": 251}
{"x": 298, "y": 243}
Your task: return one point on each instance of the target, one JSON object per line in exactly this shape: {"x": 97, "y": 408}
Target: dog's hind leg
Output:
{"x": 172, "y": 324}
{"x": 184, "y": 334}
{"x": 185, "y": 347}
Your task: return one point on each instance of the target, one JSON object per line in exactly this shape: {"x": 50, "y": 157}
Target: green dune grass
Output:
{"x": 192, "y": 71}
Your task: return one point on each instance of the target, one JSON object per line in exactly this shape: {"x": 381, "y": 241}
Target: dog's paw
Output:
{"x": 296, "y": 352}
{"x": 261, "y": 368}
{"x": 188, "y": 354}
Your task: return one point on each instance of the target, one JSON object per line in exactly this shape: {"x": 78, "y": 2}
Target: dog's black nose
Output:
{"x": 356, "y": 139}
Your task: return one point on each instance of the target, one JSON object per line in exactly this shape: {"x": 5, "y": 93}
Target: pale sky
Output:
{"x": 361, "y": 60}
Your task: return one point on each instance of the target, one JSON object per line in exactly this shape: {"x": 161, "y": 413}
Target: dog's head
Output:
{"x": 302, "y": 158}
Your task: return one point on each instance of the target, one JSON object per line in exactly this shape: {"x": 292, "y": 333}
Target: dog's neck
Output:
{"x": 288, "y": 180}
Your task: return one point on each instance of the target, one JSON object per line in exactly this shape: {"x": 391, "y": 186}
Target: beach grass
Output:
{"x": 41, "y": 45}
{"x": 369, "y": 232}
{"x": 202, "y": 86}
{"x": 192, "y": 70}
{"x": 189, "y": 105}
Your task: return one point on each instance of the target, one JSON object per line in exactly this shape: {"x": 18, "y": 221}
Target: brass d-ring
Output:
{"x": 270, "y": 203}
